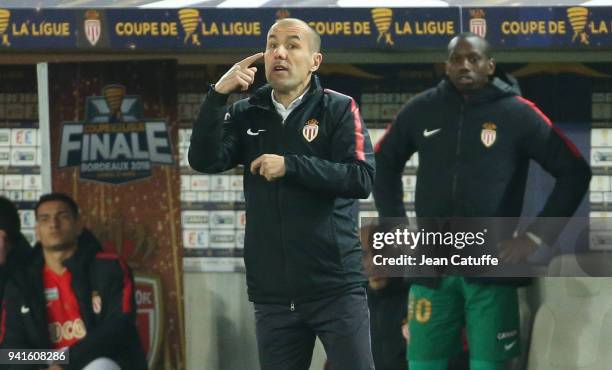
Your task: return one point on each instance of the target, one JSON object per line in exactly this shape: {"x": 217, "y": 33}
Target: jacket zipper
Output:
{"x": 457, "y": 154}
{"x": 284, "y": 124}
{"x": 280, "y": 215}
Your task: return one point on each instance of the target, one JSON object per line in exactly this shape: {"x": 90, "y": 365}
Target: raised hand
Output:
{"x": 240, "y": 76}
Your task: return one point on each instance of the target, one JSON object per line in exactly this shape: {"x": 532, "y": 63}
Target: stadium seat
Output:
{"x": 573, "y": 326}
{"x": 582, "y": 264}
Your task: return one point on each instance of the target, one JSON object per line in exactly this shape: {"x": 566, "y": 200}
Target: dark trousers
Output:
{"x": 285, "y": 338}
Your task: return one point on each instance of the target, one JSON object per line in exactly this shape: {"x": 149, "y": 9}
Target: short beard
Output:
{"x": 59, "y": 247}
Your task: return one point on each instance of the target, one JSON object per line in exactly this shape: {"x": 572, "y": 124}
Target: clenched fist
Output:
{"x": 270, "y": 166}
{"x": 240, "y": 76}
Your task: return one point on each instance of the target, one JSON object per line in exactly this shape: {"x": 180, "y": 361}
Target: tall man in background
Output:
{"x": 475, "y": 137}
{"x": 307, "y": 156}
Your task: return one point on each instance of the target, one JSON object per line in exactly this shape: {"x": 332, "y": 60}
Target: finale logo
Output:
{"x": 114, "y": 144}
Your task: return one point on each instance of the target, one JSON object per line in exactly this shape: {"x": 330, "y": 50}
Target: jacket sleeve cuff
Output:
{"x": 215, "y": 97}
{"x": 290, "y": 167}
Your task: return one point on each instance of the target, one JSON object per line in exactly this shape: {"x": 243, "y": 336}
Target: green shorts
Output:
{"x": 488, "y": 312}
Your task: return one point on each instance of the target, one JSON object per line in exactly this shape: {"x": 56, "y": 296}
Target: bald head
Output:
{"x": 291, "y": 57}
{"x": 314, "y": 40}
{"x": 480, "y": 43}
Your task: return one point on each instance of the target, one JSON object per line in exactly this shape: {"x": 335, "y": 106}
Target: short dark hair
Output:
{"x": 59, "y": 197}
{"x": 9, "y": 220}
{"x": 486, "y": 47}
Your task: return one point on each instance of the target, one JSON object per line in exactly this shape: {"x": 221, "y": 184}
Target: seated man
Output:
{"x": 72, "y": 297}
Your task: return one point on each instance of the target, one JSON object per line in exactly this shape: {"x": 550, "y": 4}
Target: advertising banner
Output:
{"x": 113, "y": 126}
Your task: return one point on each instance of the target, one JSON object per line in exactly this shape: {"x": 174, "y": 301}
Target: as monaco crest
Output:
{"x": 478, "y": 24}
{"x": 93, "y": 26}
{"x": 149, "y": 315}
{"x": 488, "y": 134}
{"x": 310, "y": 130}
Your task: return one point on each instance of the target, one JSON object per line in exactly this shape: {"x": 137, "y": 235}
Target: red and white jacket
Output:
{"x": 104, "y": 288}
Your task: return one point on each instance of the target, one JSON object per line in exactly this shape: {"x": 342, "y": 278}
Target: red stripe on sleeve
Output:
{"x": 128, "y": 285}
{"x": 572, "y": 147}
{"x": 107, "y": 256}
{"x": 359, "y": 140}
{"x": 128, "y": 288}
{"x": 380, "y": 141}
{"x": 3, "y": 325}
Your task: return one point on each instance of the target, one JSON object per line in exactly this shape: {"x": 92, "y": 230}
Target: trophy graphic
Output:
{"x": 382, "y": 19}
{"x": 189, "y": 20}
{"x": 5, "y": 15}
{"x": 113, "y": 95}
{"x": 578, "y": 19}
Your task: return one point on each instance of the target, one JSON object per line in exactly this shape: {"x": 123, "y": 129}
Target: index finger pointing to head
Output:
{"x": 246, "y": 62}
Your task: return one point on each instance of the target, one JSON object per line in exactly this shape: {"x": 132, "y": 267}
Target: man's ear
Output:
{"x": 317, "y": 59}
{"x": 491, "y": 66}
{"x": 37, "y": 231}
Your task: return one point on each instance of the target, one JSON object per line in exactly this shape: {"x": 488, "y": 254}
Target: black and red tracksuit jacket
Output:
{"x": 110, "y": 333}
{"x": 301, "y": 239}
{"x": 474, "y": 152}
